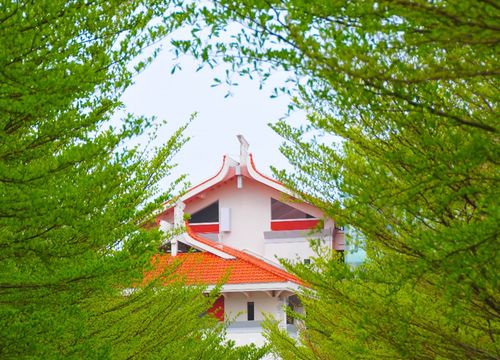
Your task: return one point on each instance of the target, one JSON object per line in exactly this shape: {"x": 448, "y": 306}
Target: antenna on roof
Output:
{"x": 243, "y": 149}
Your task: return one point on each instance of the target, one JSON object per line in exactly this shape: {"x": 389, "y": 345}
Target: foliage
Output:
{"x": 74, "y": 196}
{"x": 401, "y": 144}
{"x": 164, "y": 322}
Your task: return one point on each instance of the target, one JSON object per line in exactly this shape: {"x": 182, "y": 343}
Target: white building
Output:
{"x": 240, "y": 222}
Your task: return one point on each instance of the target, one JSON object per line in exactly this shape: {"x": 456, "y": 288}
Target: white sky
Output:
{"x": 174, "y": 97}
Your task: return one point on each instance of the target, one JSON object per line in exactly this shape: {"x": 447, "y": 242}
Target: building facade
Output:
{"x": 238, "y": 224}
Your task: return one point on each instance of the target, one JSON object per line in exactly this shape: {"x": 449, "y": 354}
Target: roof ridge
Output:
{"x": 245, "y": 257}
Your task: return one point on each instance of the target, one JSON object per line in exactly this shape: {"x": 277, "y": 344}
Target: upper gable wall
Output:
{"x": 250, "y": 211}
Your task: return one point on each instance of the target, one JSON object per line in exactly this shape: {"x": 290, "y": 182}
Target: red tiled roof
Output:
{"x": 209, "y": 269}
{"x": 245, "y": 257}
{"x": 205, "y": 268}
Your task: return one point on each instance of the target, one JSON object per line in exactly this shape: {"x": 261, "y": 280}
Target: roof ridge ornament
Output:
{"x": 243, "y": 149}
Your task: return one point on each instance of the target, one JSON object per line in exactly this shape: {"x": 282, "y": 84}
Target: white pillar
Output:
{"x": 165, "y": 228}
{"x": 282, "y": 304}
{"x": 178, "y": 223}
{"x": 239, "y": 177}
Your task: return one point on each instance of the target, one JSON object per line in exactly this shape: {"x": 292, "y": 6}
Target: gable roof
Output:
{"x": 217, "y": 261}
{"x": 229, "y": 169}
{"x": 205, "y": 268}
{"x": 209, "y": 268}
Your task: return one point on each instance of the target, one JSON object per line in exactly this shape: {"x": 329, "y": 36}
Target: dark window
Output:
{"x": 307, "y": 261}
{"x": 210, "y": 214}
{"x": 250, "y": 311}
{"x": 181, "y": 248}
{"x": 281, "y": 211}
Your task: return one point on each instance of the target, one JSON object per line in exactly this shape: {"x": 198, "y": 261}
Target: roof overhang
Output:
{"x": 224, "y": 173}
{"x": 199, "y": 245}
{"x": 279, "y": 286}
{"x": 246, "y": 168}
{"x": 266, "y": 180}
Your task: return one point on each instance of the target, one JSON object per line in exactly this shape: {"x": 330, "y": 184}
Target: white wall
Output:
{"x": 235, "y": 305}
{"x": 250, "y": 211}
{"x": 244, "y": 332}
{"x": 291, "y": 249}
{"x": 246, "y": 337}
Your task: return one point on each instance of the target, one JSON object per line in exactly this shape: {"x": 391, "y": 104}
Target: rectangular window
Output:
{"x": 250, "y": 311}
{"x": 286, "y": 217}
{"x": 209, "y": 214}
{"x": 282, "y": 211}
{"x": 206, "y": 220}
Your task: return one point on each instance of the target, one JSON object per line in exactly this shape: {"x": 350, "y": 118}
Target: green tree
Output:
{"x": 402, "y": 145}
{"x": 74, "y": 195}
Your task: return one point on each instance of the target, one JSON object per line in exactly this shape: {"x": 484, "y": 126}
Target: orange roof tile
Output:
{"x": 209, "y": 269}
{"x": 205, "y": 268}
{"x": 241, "y": 255}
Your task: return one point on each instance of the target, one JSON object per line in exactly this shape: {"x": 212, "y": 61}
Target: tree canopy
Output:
{"x": 401, "y": 145}
{"x": 75, "y": 195}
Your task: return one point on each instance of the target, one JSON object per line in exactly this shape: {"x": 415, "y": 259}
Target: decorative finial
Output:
{"x": 243, "y": 149}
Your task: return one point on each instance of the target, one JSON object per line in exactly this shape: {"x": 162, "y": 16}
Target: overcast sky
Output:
{"x": 174, "y": 97}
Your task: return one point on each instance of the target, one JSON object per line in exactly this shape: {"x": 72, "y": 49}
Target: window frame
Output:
{"x": 250, "y": 311}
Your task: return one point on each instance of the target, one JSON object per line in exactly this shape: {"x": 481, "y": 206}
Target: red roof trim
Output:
{"x": 224, "y": 159}
{"x": 207, "y": 180}
{"x": 261, "y": 174}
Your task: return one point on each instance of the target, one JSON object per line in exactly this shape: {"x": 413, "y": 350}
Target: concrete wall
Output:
{"x": 235, "y": 306}
{"x": 293, "y": 250}
{"x": 246, "y": 336}
{"x": 294, "y": 245}
{"x": 244, "y": 332}
{"x": 250, "y": 221}
{"x": 339, "y": 240}
{"x": 250, "y": 211}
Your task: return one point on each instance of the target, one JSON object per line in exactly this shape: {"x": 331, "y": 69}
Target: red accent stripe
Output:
{"x": 217, "y": 309}
{"x": 205, "y": 228}
{"x": 294, "y": 225}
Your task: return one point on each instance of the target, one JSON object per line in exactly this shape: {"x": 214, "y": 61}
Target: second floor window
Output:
{"x": 286, "y": 217}
{"x": 250, "y": 311}
{"x": 282, "y": 211}
{"x": 209, "y": 214}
